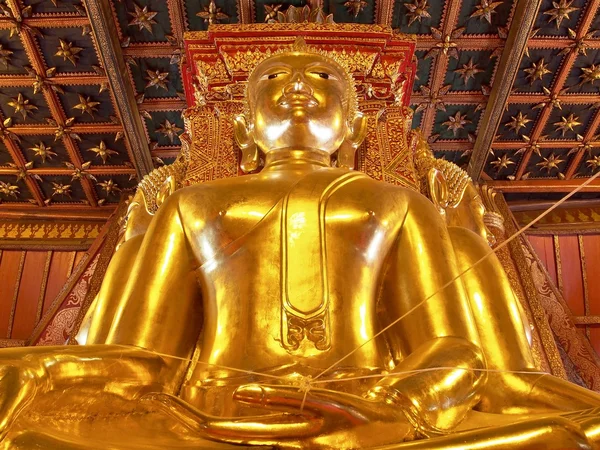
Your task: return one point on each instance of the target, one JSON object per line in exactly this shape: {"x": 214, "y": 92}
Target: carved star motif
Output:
{"x": 110, "y": 187}
{"x": 22, "y": 105}
{"x": 567, "y": 123}
{"x": 553, "y": 98}
{"x": 537, "y": 71}
{"x": 157, "y": 79}
{"x": 355, "y": 7}
{"x": 43, "y": 151}
{"x": 169, "y": 130}
{"x": 456, "y": 122}
{"x": 446, "y": 45}
{"x": 468, "y": 71}
{"x": 485, "y": 10}
{"x": 550, "y": 163}
{"x": 86, "y": 105}
{"x": 80, "y": 172}
{"x": 271, "y": 12}
{"x": 9, "y": 190}
{"x": 417, "y": 10}
{"x": 434, "y": 99}
{"x": 64, "y": 130}
{"x": 594, "y": 163}
{"x": 590, "y": 74}
{"x": 61, "y": 189}
{"x": 580, "y": 46}
{"x": 517, "y": 122}
{"x": 5, "y": 56}
{"x": 561, "y": 11}
{"x": 502, "y": 163}
{"x": 102, "y": 151}
{"x": 143, "y": 18}
{"x": 68, "y": 51}
{"x": 212, "y": 14}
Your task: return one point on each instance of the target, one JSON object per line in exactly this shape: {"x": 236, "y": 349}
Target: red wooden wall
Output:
{"x": 29, "y": 282}
{"x": 573, "y": 262}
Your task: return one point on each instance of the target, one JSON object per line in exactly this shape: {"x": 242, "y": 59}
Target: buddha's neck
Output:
{"x": 306, "y": 159}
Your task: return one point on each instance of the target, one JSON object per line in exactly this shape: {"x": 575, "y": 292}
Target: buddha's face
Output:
{"x": 297, "y": 101}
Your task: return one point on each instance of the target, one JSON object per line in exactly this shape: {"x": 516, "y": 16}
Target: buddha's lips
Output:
{"x": 290, "y": 100}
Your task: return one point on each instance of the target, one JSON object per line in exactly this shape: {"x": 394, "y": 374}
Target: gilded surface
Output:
{"x": 300, "y": 306}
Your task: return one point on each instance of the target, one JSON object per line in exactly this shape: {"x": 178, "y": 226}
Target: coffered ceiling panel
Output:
{"x": 63, "y": 142}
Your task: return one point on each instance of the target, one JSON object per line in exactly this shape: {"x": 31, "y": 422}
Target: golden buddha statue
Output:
{"x": 303, "y": 306}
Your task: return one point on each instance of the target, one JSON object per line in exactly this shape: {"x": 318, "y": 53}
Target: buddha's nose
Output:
{"x": 298, "y": 85}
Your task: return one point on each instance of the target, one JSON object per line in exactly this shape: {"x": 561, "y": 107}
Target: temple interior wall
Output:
{"x": 29, "y": 281}
{"x": 573, "y": 262}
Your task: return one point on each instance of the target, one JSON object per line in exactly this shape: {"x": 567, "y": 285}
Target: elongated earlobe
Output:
{"x": 357, "y": 132}
{"x": 437, "y": 188}
{"x": 245, "y": 140}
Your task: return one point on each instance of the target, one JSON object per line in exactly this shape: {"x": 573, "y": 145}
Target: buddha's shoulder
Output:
{"x": 207, "y": 190}
{"x": 390, "y": 192}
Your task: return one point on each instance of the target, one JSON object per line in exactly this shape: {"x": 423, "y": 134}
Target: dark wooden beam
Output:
{"x": 384, "y": 12}
{"x": 544, "y": 186}
{"x": 107, "y": 41}
{"x": 514, "y": 48}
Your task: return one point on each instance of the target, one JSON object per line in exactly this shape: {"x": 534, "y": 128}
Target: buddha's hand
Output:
{"x": 19, "y": 381}
{"x": 339, "y": 419}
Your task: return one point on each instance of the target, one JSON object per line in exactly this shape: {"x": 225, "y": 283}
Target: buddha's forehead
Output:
{"x": 297, "y": 60}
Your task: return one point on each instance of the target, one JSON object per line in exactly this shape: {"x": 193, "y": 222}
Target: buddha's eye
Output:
{"x": 271, "y": 76}
{"x": 323, "y": 75}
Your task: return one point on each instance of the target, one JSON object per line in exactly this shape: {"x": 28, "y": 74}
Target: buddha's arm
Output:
{"x": 158, "y": 311}
{"x": 102, "y": 311}
{"x": 160, "y": 306}
{"x": 495, "y": 308}
{"x": 438, "y": 330}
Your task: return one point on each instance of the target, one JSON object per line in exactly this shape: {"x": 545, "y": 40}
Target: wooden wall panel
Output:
{"x": 28, "y": 295}
{"x": 9, "y": 274}
{"x": 573, "y": 260}
{"x": 60, "y": 269}
{"x": 571, "y": 278}
{"x": 29, "y": 283}
{"x": 544, "y": 249}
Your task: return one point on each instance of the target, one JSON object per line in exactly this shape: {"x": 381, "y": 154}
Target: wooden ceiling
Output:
{"x": 91, "y": 94}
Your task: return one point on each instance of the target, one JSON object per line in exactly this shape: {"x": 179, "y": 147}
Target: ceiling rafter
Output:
{"x": 543, "y": 186}
{"x": 97, "y": 170}
{"x": 508, "y": 66}
{"x": 78, "y": 128}
{"x": 245, "y": 10}
{"x": 384, "y": 11}
{"x": 106, "y": 36}
{"x": 61, "y": 80}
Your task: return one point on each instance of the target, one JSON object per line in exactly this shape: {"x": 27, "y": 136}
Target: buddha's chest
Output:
{"x": 296, "y": 282}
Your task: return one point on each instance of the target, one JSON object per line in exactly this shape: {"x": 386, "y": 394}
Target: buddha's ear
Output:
{"x": 167, "y": 188}
{"x": 244, "y": 137}
{"x": 356, "y": 133}
{"x": 438, "y": 190}
{"x": 357, "y": 130}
